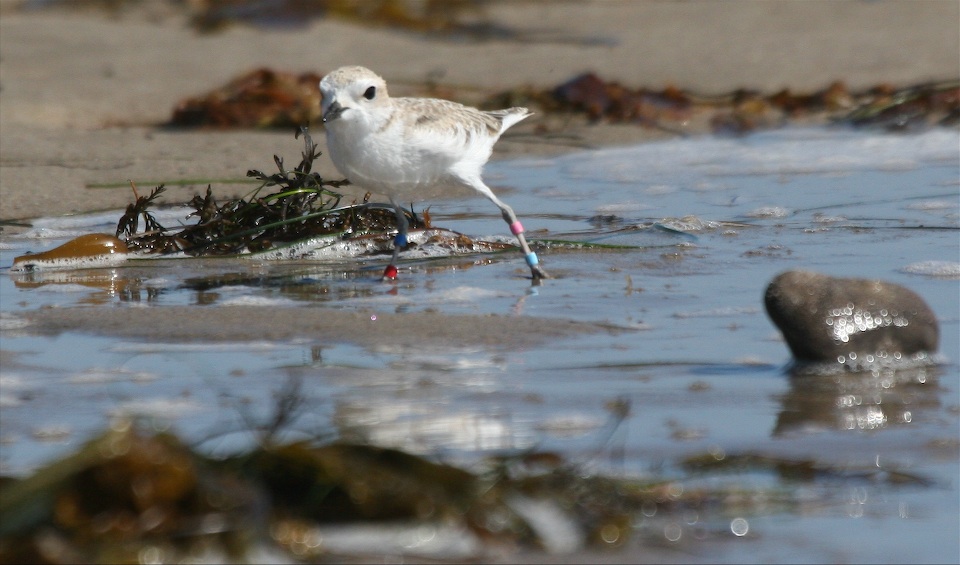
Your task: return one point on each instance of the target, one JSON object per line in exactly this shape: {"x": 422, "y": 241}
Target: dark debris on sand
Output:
{"x": 266, "y": 98}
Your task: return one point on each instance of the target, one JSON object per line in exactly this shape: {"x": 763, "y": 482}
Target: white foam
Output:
{"x": 67, "y": 226}
{"x": 71, "y": 226}
{"x": 157, "y": 407}
{"x": 248, "y": 300}
{"x": 11, "y": 387}
{"x": 467, "y": 294}
{"x": 622, "y": 208}
{"x": 570, "y": 426}
{"x": 333, "y": 248}
{"x": 53, "y": 433}
{"x": 932, "y": 205}
{"x": 946, "y": 269}
{"x": 722, "y": 312}
{"x": 10, "y": 321}
{"x": 769, "y": 212}
{"x": 689, "y": 224}
{"x": 96, "y": 375}
{"x": 160, "y": 347}
{"x": 63, "y": 288}
{"x": 781, "y": 152}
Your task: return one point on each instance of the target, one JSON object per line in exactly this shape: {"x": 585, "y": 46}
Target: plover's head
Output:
{"x": 349, "y": 93}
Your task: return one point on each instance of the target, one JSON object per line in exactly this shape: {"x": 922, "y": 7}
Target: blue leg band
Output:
{"x": 400, "y": 240}
{"x": 532, "y": 259}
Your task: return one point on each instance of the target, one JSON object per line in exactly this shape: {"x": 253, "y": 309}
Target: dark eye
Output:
{"x": 370, "y": 93}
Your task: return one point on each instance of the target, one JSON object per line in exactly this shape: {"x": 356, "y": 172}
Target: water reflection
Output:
{"x": 422, "y": 400}
{"x": 109, "y": 285}
{"x": 204, "y": 282}
{"x": 868, "y": 400}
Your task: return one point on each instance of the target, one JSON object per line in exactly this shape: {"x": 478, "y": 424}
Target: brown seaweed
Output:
{"x": 301, "y": 205}
{"x": 132, "y": 490}
{"x": 266, "y": 98}
{"x": 742, "y": 111}
{"x": 262, "y": 98}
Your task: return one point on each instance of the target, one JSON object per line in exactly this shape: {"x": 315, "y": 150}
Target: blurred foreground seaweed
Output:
{"x": 132, "y": 495}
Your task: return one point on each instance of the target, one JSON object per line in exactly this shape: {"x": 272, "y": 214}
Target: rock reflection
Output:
{"x": 867, "y": 400}
{"x": 112, "y": 285}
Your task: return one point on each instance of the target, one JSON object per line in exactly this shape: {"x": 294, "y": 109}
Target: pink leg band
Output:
{"x": 516, "y": 228}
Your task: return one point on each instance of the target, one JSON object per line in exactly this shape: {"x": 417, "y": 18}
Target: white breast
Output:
{"x": 392, "y": 162}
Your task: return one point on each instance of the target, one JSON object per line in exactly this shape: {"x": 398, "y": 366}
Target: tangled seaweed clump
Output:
{"x": 302, "y": 205}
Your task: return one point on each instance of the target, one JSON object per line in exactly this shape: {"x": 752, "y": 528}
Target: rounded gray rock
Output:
{"x": 826, "y": 318}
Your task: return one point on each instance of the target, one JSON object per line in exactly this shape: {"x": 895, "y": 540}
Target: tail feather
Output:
{"x": 510, "y": 116}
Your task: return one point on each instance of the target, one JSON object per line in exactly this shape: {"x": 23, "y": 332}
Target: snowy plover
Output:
{"x": 412, "y": 148}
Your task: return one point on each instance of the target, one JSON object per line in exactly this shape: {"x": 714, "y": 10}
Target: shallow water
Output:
{"x": 699, "y": 363}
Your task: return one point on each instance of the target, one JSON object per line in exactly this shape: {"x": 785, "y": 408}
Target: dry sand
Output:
{"x": 67, "y": 77}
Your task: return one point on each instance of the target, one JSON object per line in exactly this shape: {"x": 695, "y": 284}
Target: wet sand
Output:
{"x": 83, "y": 91}
{"x": 233, "y": 323}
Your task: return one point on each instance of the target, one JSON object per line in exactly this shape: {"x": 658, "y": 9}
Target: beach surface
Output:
{"x": 661, "y": 306}
{"x": 83, "y": 91}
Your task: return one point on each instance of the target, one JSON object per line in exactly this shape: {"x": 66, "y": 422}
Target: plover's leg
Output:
{"x": 399, "y": 241}
{"x": 516, "y": 228}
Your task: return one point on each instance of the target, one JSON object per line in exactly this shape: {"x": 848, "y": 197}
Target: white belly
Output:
{"x": 383, "y": 166}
